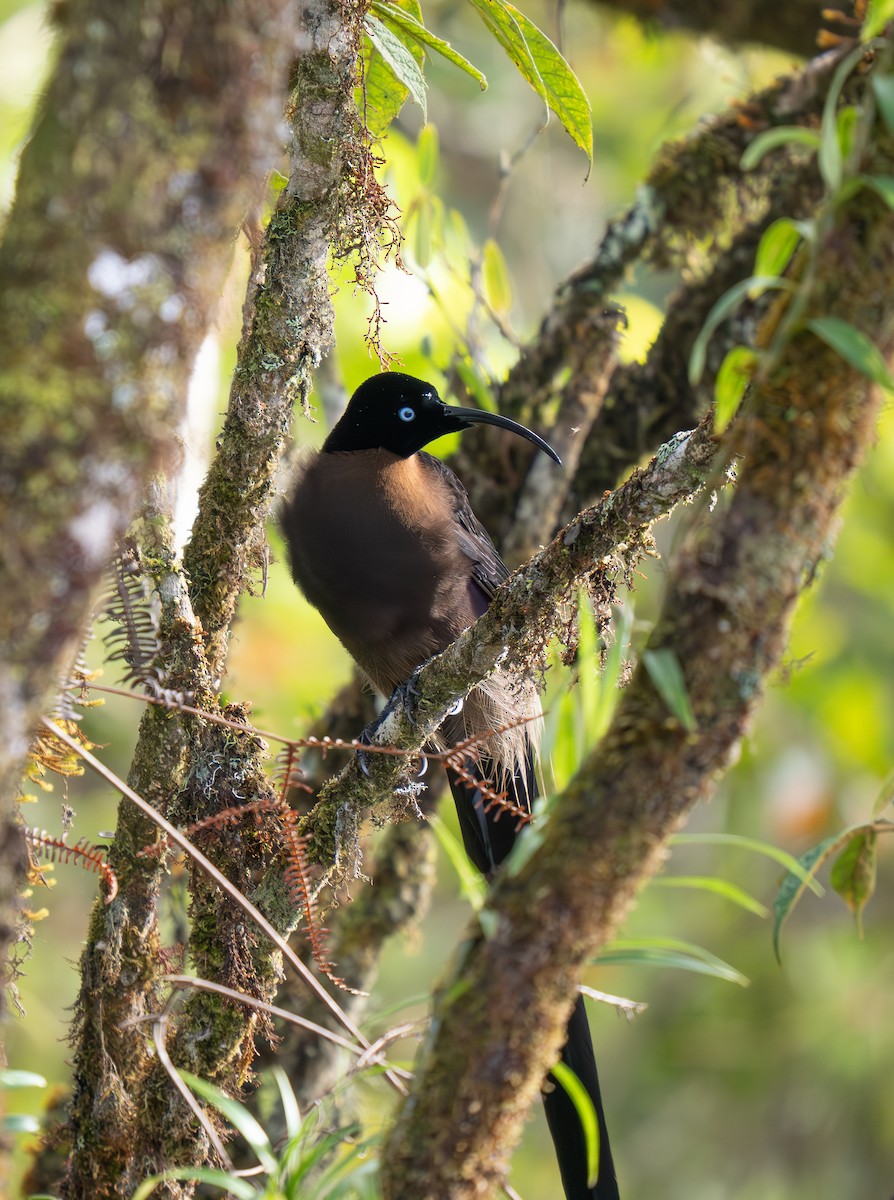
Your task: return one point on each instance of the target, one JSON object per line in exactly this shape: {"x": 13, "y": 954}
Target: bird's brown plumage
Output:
{"x": 425, "y": 569}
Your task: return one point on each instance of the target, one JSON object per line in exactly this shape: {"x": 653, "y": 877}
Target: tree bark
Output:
{"x": 733, "y": 588}
{"x": 154, "y": 140}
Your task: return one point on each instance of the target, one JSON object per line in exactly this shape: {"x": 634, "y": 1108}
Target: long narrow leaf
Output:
{"x": 723, "y": 308}
{"x": 854, "y": 347}
{"x": 758, "y": 847}
{"x": 719, "y": 887}
{"x": 669, "y": 952}
{"x": 238, "y": 1116}
{"x": 580, "y": 1098}
{"x": 666, "y": 673}
{"x": 471, "y": 884}
{"x": 227, "y": 1182}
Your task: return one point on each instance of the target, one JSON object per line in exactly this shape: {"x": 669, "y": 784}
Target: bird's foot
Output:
{"x": 377, "y": 732}
{"x": 364, "y": 737}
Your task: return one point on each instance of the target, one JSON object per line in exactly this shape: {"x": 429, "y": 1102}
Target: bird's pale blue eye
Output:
{"x": 407, "y": 413}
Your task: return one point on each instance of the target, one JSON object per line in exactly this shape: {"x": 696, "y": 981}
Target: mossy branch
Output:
{"x": 733, "y": 588}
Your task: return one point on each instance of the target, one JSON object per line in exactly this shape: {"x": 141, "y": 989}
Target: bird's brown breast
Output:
{"x": 374, "y": 548}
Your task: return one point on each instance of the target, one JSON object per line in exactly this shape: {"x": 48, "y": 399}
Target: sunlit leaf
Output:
{"x": 289, "y": 1101}
{"x": 383, "y": 93}
{"x": 778, "y": 243}
{"x": 19, "y": 1123}
{"x": 854, "y": 347}
{"x": 666, "y": 673}
{"x": 427, "y": 155}
{"x": 423, "y": 222}
{"x": 733, "y": 377}
{"x": 495, "y": 277}
{"x": 586, "y": 1111}
{"x": 408, "y": 20}
{"x": 830, "y": 158}
{"x": 719, "y": 887}
{"x": 21, "y": 1079}
{"x": 475, "y": 383}
{"x": 853, "y": 872}
{"x": 542, "y": 65}
{"x": 471, "y": 883}
{"x": 238, "y": 1116}
{"x": 878, "y": 14}
{"x": 225, "y": 1180}
{"x": 847, "y": 125}
{"x": 399, "y": 58}
{"x": 756, "y": 846}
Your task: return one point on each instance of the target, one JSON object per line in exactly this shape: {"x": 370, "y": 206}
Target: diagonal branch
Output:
{"x": 733, "y": 588}
{"x": 600, "y": 546}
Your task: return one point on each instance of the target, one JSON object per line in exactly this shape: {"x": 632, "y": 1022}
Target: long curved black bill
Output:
{"x": 480, "y": 416}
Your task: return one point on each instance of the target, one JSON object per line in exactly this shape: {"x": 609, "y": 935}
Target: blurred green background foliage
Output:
{"x": 783, "y": 1088}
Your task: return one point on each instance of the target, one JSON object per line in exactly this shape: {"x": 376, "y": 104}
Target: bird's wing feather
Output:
{"x": 488, "y": 568}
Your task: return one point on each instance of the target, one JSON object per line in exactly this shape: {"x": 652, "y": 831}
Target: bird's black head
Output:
{"x": 402, "y": 414}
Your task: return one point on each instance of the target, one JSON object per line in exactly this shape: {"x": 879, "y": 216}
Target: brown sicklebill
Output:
{"x": 383, "y": 541}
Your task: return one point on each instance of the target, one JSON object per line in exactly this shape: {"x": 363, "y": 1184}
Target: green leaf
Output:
{"x": 830, "y": 158}
{"x": 383, "y": 93}
{"x": 721, "y": 309}
{"x": 883, "y": 90}
{"x": 471, "y": 884}
{"x": 586, "y": 1111}
{"x": 783, "y": 857}
{"x": 847, "y": 127}
{"x": 778, "y": 243}
{"x": 399, "y": 58}
{"x": 541, "y": 64}
{"x": 238, "y": 1116}
{"x": 879, "y": 13}
{"x": 475, "y": 383}
{"x": 495, "y": 277}
{"x": 427, "y": 155}
{"x": 290, "y": 1108}
{"x": 423, "y": 224}
{"x": 21, "y": 1079}
{"x": 669, "y": 952}
{"x": 883, "y": 185}
{"x": 733, "y": 377}
{"x": 667, "y": 675}
{"x": 409, "y": 22}
{"x": 885, "y": 796}
{"x": 853, "y": 873}
{"x": 20, "y": 1123}
{"x": 792, "y": 887}
{"x": 719, "y": 887}
{"x": 772, "y": 139}
{"x": 854, "y": 347}
{"x": 240, "y": 1188}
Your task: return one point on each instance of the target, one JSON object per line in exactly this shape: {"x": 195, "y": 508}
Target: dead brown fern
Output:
{"x": 85, "y": 853}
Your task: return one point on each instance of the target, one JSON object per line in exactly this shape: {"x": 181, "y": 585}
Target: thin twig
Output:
{"x": 159, "y": 1028}
{"x": 258, "y": 917}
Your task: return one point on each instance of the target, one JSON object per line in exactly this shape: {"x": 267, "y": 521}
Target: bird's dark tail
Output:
{"x": 488, "y": 836}
{"x": 564, "y": 1124}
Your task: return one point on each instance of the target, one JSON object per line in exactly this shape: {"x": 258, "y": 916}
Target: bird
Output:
{"x": 382, "y": 540}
